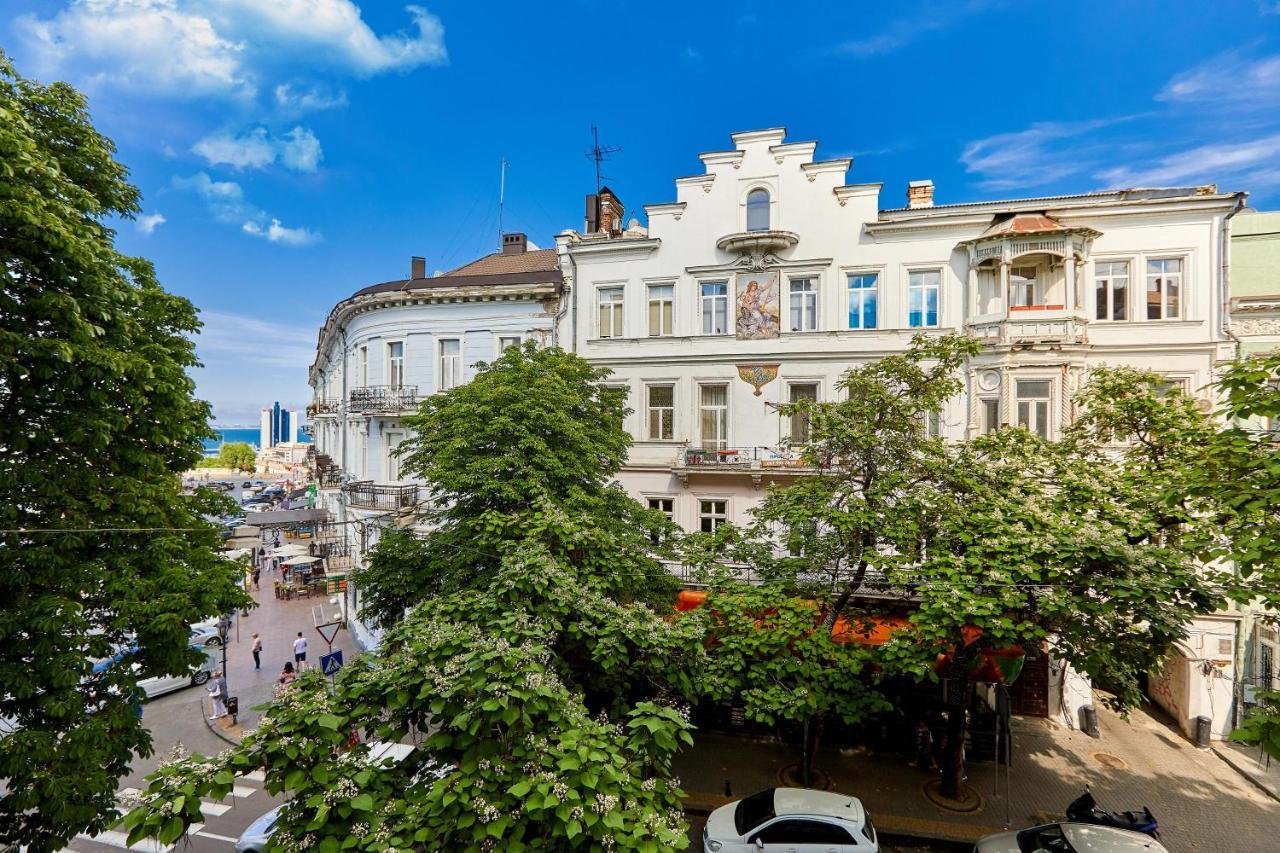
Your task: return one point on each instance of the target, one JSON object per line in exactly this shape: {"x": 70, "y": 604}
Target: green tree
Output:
{"x": 238, "y": 456}
{"x": 510, "y": 756}
{"x": 97, "y": 419}
{"x": 529, "y": 448}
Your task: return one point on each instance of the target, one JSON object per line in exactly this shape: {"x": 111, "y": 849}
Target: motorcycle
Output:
{"x": 1085, "y": 810}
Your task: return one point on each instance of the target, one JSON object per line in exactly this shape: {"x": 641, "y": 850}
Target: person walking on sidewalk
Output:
{"x": 256, "y": 649}
{"x": 300, "y": 651}
{"x": 218, "y": 694}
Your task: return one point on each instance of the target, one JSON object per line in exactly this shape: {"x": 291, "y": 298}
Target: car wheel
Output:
{"x": 214, "y": 642}
{"x": 200, "y": 677}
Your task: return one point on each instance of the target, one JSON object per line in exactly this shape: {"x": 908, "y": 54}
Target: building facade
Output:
{"x": 277, "y": 426}
{"x": 391, "y": 345}
{"x": 770, "y": 276}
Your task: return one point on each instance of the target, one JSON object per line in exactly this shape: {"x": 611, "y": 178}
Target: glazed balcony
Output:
{"x": 366, "y": 494}
{"x": 383, "y": 399}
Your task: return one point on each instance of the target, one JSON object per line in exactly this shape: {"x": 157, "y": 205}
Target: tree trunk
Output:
{"x": 953, "y": 758}
{"x": 806, "y": 753}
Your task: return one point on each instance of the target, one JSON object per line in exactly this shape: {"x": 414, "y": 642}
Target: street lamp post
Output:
{"x": 224, "y": 631}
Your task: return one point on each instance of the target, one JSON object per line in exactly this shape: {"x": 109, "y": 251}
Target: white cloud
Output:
{"x": 1254, "y": 162}
{"x": 1035, "y": 156}
{"x": 1231, "y": 80}
{"x": 147, "y": 223}
{"x": 903, "y": 31}
{"x": 199, "y": 48}
{"x": 255, "y": 341}
{"x": 139, "y": 45}
{"x": 293, "y": 100}
{"x": 277, "y": 233}
{"x": 299, "y": 149}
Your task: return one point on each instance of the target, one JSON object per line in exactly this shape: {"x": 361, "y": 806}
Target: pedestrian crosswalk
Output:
{"x": 223, "y": 822}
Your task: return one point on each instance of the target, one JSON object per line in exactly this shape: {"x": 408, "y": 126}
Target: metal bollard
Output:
{"x": 1203, "y": 731}
{"x": 1089, "y": 721}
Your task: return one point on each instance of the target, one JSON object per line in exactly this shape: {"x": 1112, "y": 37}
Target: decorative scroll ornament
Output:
{"x": 758, "y": 375}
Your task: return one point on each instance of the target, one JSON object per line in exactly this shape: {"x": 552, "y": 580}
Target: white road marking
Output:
{"x": 111, "y": 838}
{"x": 243, "y": 791}
{"x": 258, "y": 775}
{"x": 216, "y": 837}
{"x": 209, "y": 809}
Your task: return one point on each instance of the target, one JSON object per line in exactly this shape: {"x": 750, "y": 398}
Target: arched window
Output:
{"x": 758, "y": 210}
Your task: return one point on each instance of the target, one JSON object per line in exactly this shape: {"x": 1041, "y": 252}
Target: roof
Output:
{"x": 540, "y": 266}
{"x": 1023, "y": 223}
{"x": 1137, "y": 194}
{"x": 803, "y": 801}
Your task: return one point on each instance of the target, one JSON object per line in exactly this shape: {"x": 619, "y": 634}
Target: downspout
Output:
{"x": 573, "y": 294}
{"x": 565, "y": 290}
{"x": 1224, "y": 267}
{"x": 1244, "y": 628}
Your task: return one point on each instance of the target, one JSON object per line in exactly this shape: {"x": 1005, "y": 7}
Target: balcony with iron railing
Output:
{"x": 386, "y": 399}
{"x": 320, "y": 407}
{"x": 742, "y": 458}
{"x": 367, "y": 494}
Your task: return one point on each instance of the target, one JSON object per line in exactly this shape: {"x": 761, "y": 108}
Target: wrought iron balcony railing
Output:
{"x": 369, "y": 495}
{"x": 323, "y": 406}
{"x": 741, "y": 458}
{"x": 383, "y": 398}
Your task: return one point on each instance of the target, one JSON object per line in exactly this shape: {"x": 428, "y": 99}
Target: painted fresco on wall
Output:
{"x": 757, "y": 301}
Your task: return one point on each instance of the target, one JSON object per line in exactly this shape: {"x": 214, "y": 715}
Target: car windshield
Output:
{"x": 1044, "y": 839}
{"x": 753, "y": 811}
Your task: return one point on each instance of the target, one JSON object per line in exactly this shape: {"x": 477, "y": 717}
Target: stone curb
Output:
{"x": 1235, "y": 762}
{"x": 214, "y": 726}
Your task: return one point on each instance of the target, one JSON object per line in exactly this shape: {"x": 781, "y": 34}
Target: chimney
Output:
{"x": 611, "y": 213}
{"x": 593, "y": 214}
{"x": 417, "y": 267}
{"x": 920, "y": 194}
{"x": 514, "y": 244}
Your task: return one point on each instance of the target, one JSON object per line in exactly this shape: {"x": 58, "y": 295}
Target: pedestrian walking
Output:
{"x": 256, "y": 648}
{"x": 257, "y": 573}
{"x": 218, "y": 695}
{"x": 300, "y": 651}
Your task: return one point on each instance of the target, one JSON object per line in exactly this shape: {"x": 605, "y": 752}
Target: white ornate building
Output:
{"x": 770, "y": 276}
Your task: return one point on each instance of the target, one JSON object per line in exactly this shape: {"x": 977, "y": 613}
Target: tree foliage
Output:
{"x": 97, "y": 419}
{"x": 238, "y": 456}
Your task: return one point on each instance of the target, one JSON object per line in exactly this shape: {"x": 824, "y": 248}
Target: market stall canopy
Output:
{"x": 290, "y": 550}
{"x": 286, "y": 517}
{"x": 299, "y": 561}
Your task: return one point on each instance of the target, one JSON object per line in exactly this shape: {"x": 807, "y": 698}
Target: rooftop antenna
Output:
{"x": 502, "y": 192}
{"x": 599, "y": 154}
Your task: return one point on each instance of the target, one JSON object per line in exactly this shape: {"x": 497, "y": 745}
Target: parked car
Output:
{"x": 158, "y": 685}
{"x": 1069, "y": 838}
{"x": 254, "y": 839}
{"x": 796, "y": 820}
{"x": 206, "y": 633}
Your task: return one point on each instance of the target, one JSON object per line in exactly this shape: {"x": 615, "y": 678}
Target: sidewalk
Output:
{"x": 277, "y": 622}
{"x": 1253, "y": 764}
{"x": 1202, "y": 803}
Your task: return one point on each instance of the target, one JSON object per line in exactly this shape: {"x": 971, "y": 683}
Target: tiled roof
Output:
{"x": 500, "y": 263}
{"x": 1023, "y": 223}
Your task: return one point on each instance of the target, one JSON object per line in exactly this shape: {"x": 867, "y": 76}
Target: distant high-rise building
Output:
{"x": 278, "y": 426}
{"x": 264, "y": 430}
{"x": 292, "y": 432}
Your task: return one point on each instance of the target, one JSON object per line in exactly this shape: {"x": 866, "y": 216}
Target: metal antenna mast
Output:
{"x": 502, "y": 193}
{"x": 599, "y": 154}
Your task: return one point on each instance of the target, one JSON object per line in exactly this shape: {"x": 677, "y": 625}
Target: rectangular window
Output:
{"x": 393, "y": 461}
{"x": 506, "y": 342}
{"x": 395, "y": 364}
{"x": 1164, "y": 288}
{"x": 862, "y": 301}
{"x": 804, "y": 305}
{"x": 450, "y": 363}
{"x": 662, "y": 411}
{"x": 1033, "y": 405}
{"x": 923, "y": 288}
{"x": 364, "y": 367}
{"x": 1022, "y": 287}
{"x": 611, "y": 312}
{"x": 666, "y": 506}
{"x": 713, "y": 405}
{"x": 712, "y": 514}
{"x": 1111, "y": 290}
{"x": 715, "y": 307}
{"x": 801, "y": 422}
{"x": 989, "y": 413}
{"x": 933, "y": 424}
{"x": 661, "y": 309}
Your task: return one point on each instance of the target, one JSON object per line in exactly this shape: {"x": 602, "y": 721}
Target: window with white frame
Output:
{"x": 923, "y": 292}
{"x": 1164, "y": 288}
{"x": 610, "y": 303}
{"x": 715, "y": 307}
{"x": 364, "y": 366}
{"x": 804, "y": 305}
{"x": 1034, "y": 398}
{"x": 758, "y": 210}
{"x": 802, "y": 421}
{"x": 1111, "y": 290}
{"x": 713, "y": 409}
{"x": 1023, "y": 287}
{"x": 506, "y": 342}
{"x": 661, "y": 406}
{"x": 395, "y": 364}
{"x": 1173, "y": 385}
{"x": 988, "y": 414}
{"x": 711, "y": 514}
{"x": 862, "y": 300}
{"x": 393, "y": 459}
{"x": 661, "y": 309}
{"x": 664, "y": 505}
{"x": 932, "y": 424}
{"x": 450, "y": 363}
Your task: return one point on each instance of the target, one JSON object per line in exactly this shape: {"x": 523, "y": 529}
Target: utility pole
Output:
{"x": 599, "y": 154}
{"x": 502, "y": 192}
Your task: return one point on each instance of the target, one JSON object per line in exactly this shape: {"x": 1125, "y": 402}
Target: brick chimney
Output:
{"x": 514, "y": 244}
{"x": 920, "y": 194}
{"x": 611, "y": 212}
{"x": 417, "y": 267}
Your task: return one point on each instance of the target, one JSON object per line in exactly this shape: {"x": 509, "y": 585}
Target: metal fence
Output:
{"x": 367, "y": 494}
{"x": 383, "y": 398}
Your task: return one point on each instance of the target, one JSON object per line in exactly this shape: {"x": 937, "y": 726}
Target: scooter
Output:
{"x": 1084, "y": 810}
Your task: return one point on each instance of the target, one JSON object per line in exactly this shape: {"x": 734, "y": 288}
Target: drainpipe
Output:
{"x": 342, "y": 404}
{"x": 1224, "y": 271}
{"x": 573, "y": 294}
{"x": 565, "y": 291}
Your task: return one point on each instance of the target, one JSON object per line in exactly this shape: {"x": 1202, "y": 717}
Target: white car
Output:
{"x": 791, "y": 820}
{"x": 1069, "y": 838}
{"x": 205, "y": 634}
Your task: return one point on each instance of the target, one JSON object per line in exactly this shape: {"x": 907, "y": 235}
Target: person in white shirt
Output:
{"x": 300, "y": 651}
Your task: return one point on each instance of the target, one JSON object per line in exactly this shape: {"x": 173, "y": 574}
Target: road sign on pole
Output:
{"x": 331, "y": 663}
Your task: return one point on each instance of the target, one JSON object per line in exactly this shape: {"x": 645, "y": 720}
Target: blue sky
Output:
{"x": 293, "y": 151}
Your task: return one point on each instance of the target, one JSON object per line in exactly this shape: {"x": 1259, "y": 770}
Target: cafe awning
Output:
{"x": 286, "y": 517}
{"x": 300, "y": 561}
